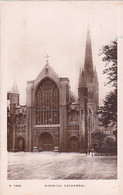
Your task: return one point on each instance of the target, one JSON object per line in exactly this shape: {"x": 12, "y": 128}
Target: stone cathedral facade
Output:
{"x": 54, "y": 119}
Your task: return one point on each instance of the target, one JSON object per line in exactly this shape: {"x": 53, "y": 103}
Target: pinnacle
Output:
{"x": 15, "y": 88}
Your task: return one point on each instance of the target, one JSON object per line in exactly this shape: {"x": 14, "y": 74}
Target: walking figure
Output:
{"x": 92, "y": 152}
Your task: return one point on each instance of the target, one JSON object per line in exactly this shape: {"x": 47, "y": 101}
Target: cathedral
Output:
{"x": 54, "y": 119}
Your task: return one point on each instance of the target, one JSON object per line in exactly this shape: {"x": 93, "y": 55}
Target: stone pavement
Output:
{"x": 51, "y": 165}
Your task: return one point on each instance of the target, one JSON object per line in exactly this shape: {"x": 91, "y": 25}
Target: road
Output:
{"x": 51, "y": 165}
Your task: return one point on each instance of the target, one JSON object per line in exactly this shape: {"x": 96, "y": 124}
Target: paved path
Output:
{"x": 50, "y": 165}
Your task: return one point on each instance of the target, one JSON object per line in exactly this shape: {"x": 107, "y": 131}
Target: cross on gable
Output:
{"x": 47, "y": 62}
{"x": 47, "y": 57}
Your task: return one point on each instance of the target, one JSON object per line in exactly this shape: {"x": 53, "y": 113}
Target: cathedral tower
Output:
{"x": 14, "y": 100}
{"x": 83, "y": 99}
{"x": 13, "y": 97}
{"x": 87, "y": 94}
{"x": 14, "y": 94}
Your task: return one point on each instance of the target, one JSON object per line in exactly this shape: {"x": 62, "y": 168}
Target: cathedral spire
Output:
{"x": 88, "y": 64}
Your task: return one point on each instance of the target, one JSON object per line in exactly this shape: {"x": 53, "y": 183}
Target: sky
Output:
{"x": 31, "y": 30}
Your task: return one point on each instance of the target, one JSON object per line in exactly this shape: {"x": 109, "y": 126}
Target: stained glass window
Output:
{"x": 47, "y": 103}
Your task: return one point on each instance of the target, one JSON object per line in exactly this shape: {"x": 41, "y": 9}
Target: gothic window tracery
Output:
{"x": 47, "y": 103}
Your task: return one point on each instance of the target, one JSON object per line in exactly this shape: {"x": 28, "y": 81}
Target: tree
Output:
{"x": 108, "y": 112}
{"x": 101, "y": 142}
{"x": 97, "y": 139}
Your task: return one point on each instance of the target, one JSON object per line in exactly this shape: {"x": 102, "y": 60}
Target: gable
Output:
{"x": 47, "y": 72}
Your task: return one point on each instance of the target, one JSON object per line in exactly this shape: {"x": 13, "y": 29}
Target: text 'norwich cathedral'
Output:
{"x": 54, "y": 119}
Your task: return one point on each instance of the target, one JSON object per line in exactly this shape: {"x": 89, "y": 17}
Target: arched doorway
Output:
{"x": 21, "y": 144}
{"x": 45, "y": 142}
{"x": 73, "y": 144}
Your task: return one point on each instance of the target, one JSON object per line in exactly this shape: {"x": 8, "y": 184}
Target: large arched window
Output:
{"x": 47, "y": 103}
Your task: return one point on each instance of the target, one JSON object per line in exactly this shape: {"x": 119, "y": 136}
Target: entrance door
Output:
{"x": 21, "y": 146}
{"x": 46, "y": 142}
{"x": 73, "y": 145}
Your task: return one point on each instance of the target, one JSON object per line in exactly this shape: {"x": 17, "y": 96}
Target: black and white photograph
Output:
{"x": 60, "y": 73}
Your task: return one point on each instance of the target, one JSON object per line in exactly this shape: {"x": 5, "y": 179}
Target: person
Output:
{"x": 89, "y": 151}
{"x": 92, "y": 152}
